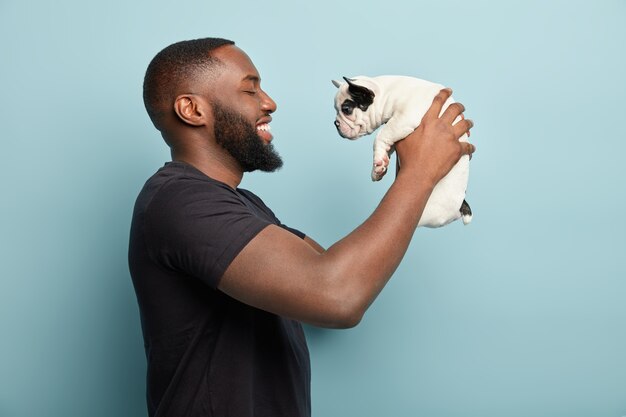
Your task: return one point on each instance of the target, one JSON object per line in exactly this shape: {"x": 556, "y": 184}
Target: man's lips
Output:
{"x": 263, "y": 130}
{"x": 264, "y": 120}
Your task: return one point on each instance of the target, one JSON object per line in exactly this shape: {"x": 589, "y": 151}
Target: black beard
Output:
{"x": 235, "y": 134}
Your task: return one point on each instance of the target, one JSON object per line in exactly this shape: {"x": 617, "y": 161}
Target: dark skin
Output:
{"x": 281, "y": 273}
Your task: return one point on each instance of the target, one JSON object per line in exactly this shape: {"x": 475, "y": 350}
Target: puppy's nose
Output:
{"x": 337, "y": 123}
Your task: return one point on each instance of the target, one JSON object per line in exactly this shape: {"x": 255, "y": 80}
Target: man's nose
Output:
{"x": 268, "y": 104}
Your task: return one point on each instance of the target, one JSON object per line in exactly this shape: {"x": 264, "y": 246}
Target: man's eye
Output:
{"x": 250, "y": 92}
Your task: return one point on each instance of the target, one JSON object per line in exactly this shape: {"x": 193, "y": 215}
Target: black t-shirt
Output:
{"x": 209, "y": 354}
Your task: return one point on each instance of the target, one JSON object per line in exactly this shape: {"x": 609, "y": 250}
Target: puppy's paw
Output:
{"x": 380, "y": 168}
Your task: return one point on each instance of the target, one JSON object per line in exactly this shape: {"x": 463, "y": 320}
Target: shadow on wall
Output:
{"x": 109, "y": 354}
{"x": 120, "y": 357}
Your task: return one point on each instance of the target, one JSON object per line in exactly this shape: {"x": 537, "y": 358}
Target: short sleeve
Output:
{"x": 198, "y": 228}
{"x": 260, "y": 206}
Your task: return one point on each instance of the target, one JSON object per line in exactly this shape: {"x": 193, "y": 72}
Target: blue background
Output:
{"x": 522, "y": 313}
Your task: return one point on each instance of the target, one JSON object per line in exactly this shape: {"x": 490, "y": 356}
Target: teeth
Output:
{"x": 265, "y": 127}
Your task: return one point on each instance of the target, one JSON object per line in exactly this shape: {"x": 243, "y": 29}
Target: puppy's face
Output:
{"x": 352, "y": 103}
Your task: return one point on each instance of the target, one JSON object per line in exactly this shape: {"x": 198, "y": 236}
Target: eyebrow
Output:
{"x": 252, "y": 78}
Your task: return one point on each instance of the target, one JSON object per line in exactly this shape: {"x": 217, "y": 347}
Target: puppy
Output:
{"x": 398, "y": 103}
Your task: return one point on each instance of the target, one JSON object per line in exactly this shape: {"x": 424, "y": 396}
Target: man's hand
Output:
{"x": 432, "y": 149}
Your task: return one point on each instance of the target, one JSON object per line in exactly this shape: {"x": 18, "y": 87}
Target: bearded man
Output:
{"x": 222, "y": 285}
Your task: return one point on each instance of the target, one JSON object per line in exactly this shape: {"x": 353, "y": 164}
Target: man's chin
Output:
{"x": 273, "y": 164}
{"x": 266, "y": 159}
{"x": 265, "y": 137}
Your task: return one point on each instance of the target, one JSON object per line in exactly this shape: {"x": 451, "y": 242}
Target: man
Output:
{"x": 222, "y": 285}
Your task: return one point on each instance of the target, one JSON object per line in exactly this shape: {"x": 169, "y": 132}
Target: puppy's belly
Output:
{"x": 444, "y": 204}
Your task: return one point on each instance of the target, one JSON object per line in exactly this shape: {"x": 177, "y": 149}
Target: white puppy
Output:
{"x": 399, "y": 103}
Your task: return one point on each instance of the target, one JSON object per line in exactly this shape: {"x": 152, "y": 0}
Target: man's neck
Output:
{"x": 213, "y": 163}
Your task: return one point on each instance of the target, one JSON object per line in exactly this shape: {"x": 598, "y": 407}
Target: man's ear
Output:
{"x": 362, "y": 96}
{"x": 190, "y": 110}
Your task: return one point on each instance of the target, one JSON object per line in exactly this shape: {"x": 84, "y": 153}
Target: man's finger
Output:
{"x": 467, "y": 148}
{"x": 438, "y": 102}
{"x": 462, "y": 127}
{"x": 463, "y": 117}
{"x": 453, "y": 111}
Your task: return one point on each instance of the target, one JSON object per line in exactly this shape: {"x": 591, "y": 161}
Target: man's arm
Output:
{"x": 318, "y": 248}
{"x": 283, "y": 274}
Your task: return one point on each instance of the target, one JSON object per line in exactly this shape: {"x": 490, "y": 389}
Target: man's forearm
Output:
{"x": 360, "y": 264}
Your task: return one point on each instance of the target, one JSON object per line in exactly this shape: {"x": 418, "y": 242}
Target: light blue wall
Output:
{"x": 520, "y": 314}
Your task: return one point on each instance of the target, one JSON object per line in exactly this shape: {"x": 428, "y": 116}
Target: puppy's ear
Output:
{"x": 336, "y": 83}
{"x": 362, "y": 96}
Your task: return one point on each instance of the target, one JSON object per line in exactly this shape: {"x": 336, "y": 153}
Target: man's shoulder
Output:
{"x": 178, "y": 192}
{"x": 250, "y": 196}
{"x": 179, "y": 171}
{"x": 178, "y": 179}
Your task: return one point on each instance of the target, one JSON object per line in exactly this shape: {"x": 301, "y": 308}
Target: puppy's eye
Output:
{"x": 347, "y": 107}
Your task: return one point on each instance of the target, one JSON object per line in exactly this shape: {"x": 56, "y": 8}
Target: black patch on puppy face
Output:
{"x": 363, "y": 97}
{"x": 347, "y": 107}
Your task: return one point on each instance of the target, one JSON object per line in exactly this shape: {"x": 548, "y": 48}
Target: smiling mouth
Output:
{"x": 263, "y": 130}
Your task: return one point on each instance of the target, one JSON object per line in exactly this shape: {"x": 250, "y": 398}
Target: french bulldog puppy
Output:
{"x": 398, "y": 103}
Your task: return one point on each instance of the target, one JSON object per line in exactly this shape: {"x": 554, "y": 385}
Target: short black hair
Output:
{"x": 174, "y": 64}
